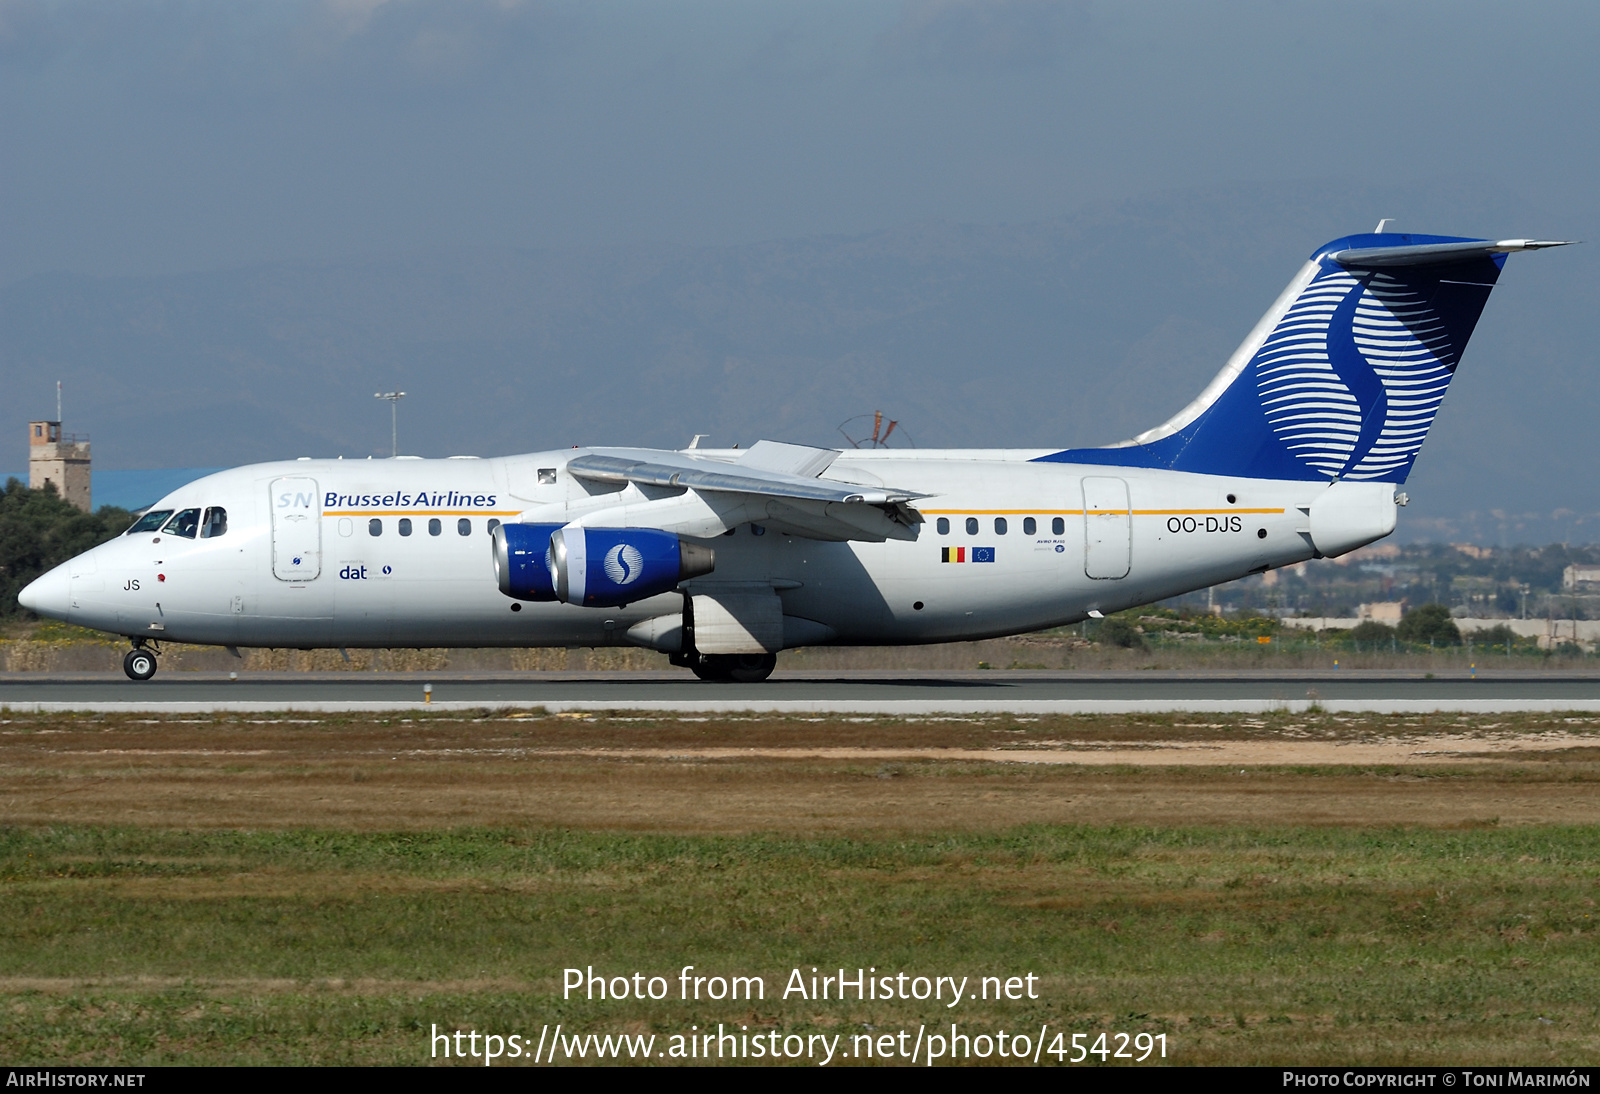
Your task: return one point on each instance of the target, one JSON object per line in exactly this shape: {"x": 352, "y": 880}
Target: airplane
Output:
{"x": 721, "y": 558}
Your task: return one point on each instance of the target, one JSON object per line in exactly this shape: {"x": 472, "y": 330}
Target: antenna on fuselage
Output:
{"x": 394, "y": 398}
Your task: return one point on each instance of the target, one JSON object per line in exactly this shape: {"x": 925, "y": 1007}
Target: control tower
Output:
{"x": 61, "y": 458}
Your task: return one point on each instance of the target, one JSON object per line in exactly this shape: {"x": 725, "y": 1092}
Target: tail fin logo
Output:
{"x": 1344, "y": 374}
{"x": 1351, "y": 377}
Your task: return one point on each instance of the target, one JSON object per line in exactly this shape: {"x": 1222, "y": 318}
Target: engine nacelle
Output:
{"x": 522, "y": 560}
{"x": 605, "y": 567}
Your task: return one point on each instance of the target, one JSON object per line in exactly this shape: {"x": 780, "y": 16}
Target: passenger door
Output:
{"x": 296, "y": 530}
{"x": 1107, "y": 528}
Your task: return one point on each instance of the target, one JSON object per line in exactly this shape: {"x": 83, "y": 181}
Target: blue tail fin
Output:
{"x": 1343, "y": 376}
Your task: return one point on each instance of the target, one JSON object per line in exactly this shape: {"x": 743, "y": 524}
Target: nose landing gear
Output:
{"x": 140, "y": 662}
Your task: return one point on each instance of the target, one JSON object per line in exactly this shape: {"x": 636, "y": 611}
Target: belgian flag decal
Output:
{"x": 961, "y": 554}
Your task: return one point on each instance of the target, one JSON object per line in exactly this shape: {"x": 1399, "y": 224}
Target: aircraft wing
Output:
{"x": 773, "y": 484}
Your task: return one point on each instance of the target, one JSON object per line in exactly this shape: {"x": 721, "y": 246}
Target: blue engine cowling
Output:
{"x": 522, "y": 560}
{"x": 605, "y": 567}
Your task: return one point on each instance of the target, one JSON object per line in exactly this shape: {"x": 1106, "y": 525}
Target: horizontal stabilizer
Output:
{"x": 1427, "y": 254}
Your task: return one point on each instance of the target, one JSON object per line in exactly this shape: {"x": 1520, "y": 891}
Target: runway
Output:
{"x": 858, "y": 692}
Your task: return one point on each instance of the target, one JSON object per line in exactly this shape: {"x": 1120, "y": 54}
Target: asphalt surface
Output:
{"x": 882, "y": 692}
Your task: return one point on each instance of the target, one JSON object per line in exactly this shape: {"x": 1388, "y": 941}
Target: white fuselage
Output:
{"x": 329, "y": 567}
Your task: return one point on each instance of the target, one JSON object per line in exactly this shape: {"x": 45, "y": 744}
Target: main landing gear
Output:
{"x": 140, "y": 662}
{"x": 732, "y": 668}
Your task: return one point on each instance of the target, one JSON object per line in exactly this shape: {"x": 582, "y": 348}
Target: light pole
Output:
{"x": 394, "y": 398}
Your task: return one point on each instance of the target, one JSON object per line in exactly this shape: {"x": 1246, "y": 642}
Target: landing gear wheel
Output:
{"x": 139, "y": 664}
{"x": 707, "y": 669}
{"x": 735, "y": 668}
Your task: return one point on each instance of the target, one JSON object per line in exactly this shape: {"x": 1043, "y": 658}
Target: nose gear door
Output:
{"x": 296, "y": 529}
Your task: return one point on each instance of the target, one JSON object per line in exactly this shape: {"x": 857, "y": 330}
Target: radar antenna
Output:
{"x": 854, "y": 431}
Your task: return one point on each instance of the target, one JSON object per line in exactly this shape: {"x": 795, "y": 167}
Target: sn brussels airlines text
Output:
{"x": 421, "y": 499}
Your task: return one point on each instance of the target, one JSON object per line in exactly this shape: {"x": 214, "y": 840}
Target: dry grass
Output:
{"x": 754, "y": 774}
{"x": 48, "y": 647}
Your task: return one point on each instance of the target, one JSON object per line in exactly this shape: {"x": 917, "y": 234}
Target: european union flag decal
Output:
{"x": 962, "y": 554}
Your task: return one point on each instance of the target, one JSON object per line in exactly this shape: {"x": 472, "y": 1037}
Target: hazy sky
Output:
{"x": 153, "y": 137}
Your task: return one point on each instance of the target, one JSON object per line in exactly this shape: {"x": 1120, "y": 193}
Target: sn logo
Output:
{"x": 624, "y": 563}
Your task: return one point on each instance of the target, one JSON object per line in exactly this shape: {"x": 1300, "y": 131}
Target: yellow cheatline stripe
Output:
{"x": 1101, "y": 512}
{"x": 1194, "y": 512}
{"x": 421, "y": 512}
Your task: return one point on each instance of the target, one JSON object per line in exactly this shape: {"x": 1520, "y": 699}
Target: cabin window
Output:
{"x": 150, "y": 522}
{"x": 405, "y": 526}
{"x": 464, "y": 526}
{"x": 972, "y": 526}
{"x": 215, "y": 524}
{"x": 944, "y": 526}
{"x": 434, "y": 527}
{"x": 1058, "y": 526}
{"x": 493, "y": 524}
{"x": 1029, "y": 526}
{"x": 999, "y": 526}
{"x": 185, "y": 524}
{"x": 345, "y": 526}
{"x": 374, "y": 527}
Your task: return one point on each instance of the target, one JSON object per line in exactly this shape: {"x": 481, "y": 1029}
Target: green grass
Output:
{"x": 1283, "y": 945}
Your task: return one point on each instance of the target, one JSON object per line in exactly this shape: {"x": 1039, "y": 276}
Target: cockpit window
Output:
{"x": 185, "y": 524}
{"x": 215, "y": 524}
{"x": 150, "y": 522}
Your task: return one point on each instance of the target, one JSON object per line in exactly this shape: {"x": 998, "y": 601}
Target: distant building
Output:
{"x": 60, "y": 458}
{"x": 1578, "y": 577}
{"x": 1383, "y": 611}
{"x": 1368, "y": 553}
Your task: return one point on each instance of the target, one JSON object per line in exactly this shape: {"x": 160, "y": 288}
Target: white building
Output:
{"x": 1579, "y": 577}
{"x": 1383, "y": 611}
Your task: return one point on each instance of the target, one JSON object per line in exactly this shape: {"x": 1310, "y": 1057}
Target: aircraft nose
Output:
{"x": 49, "y": 594}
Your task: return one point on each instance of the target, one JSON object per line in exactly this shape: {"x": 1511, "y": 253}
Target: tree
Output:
{"x": 1371, "y": 631}
{"x": 1429, "y": 623}
{"x": 1498, "y": 635}
{"x": 39, "y": 530}
{"x": 1116, "y": 631}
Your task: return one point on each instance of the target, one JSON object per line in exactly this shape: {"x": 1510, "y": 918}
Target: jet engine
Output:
{"x": 522, "y": 560}
{"x": 606, "y": 567}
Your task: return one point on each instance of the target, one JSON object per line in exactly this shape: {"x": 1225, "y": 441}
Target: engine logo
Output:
{"x": 624, "y": 564}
